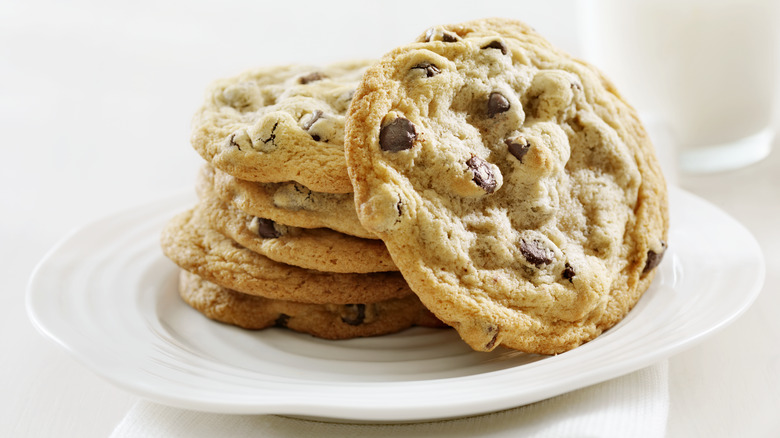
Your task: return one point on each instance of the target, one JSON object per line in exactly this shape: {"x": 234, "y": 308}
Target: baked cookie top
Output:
{"x": 516, "y": 190}
{"x": 281, "y": 123}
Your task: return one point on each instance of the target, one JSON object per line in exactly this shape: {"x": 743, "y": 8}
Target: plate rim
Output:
{"x": 369, "y": 412}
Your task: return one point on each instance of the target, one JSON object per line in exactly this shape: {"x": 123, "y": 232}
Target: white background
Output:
{"x": 95, "y": 106}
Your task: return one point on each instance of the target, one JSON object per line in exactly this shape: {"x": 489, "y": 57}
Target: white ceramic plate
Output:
{"x": 108, "y": 295}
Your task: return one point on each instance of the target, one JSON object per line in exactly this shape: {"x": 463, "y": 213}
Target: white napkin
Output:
{"x": 635, "y": 405}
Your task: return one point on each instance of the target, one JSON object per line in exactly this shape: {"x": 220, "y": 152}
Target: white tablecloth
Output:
{"x": 635, "y": 405}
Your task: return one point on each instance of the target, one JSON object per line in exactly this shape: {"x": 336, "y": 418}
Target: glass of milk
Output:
{"x": 707, "y": 70}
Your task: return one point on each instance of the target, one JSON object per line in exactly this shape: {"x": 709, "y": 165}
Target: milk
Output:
{"x": 708, "y": 69}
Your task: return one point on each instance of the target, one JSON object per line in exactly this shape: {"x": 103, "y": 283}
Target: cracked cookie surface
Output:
{"x": 282, "y": 123}
{"x": 328, "y": 321}
{"x": 517, "y": 191}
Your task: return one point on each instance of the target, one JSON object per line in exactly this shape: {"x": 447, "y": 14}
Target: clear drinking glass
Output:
{"x": 708, "y": 69}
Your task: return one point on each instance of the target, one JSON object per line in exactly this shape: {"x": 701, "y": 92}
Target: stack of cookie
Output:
{"x": 274, "y": 239}
{"x": 515, "y": 193}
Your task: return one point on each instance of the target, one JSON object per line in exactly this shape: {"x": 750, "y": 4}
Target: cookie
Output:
{"x": 321, "y": 249}
{"x": 328, "y": 321}
{"x": 516, "y": 190}
{"x": 280, "y": 124}
{"x": 287, "y": 203}
{"x": 191, "y": 243}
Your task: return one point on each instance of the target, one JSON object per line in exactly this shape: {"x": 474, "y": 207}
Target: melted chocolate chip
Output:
{"x": 518, "y": 147}
{"x": 654, "y": 258}
{"x": 535, "y": 253}
{"x": 492, "y": 342}
{"x": 316, "y": 115}
{"x": 497, "y": 103}
{"x": 311, "y": 77}
{"x": 271, "y": 138}
{"x": 483, "y": 174}
{"x": 355, "y": 314}
{"x": 282, "y": 320}
{"x": 568, "y": 273}
{"x": 398, "y": 135}
{"x": 430, "y": 69}
{"x": 497, "y": 45}
{"x": 232, "y": 141}
{"x": 266, "y": 229}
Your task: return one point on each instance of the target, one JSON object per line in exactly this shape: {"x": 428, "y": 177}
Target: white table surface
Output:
{"x": 95, "y": 103}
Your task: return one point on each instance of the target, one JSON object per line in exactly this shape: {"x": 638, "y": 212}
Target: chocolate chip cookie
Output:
{"x": 328, "y": 321}
{"x": 190, "y": 242}
{"x": 516, "y": 190}
{"x": 287, "y": 203}
{"x": 321, "y": 249}
{"x": 282, "y": 123}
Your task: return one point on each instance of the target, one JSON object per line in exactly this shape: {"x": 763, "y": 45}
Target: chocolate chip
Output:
{"x": 535, "y": 253}
{"x": 282, "y": 320}
{"x": 311, "y": 77}
{"x": 518, "y": 147}
{"x": 430, "y": 69}
{"x": 232, "y": 141}
{"x": 497, "y": 103}
{"x": 448, "y": 37}
{"x": 271, "y": 138}
{"x": 354, "y": 314}
{"x": 266, "y": 229}
{"x": 316, "y": 115}
{"x": 492, "y": 343}
{"x": 654, "y": 258}
{"x": 398, "y": 135}
{"x": 483, "y": 174}
{"x": 432, "y": 34}
{"x": 568, "y": 273}
{"x": 497, "y": 45}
